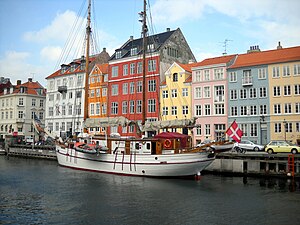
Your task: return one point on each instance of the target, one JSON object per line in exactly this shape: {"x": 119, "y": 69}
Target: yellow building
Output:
{"x": 284, "y": 89}
{"x": 175, "y": 95}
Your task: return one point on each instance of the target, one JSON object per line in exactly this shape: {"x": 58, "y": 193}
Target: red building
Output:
{"x": 125, "y": 86}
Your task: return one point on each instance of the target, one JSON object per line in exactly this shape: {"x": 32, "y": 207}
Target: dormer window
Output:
{"x": 118, "y": 54}
{"x": 133, "y": 51}
{"x": 82, "y": 65}
{"x": 150, "y": 47}
{"x": 73, "y": 67}
{"x": 175, "y": 77}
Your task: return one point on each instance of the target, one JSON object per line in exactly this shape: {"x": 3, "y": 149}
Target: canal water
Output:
{"x": 41, "y": 192}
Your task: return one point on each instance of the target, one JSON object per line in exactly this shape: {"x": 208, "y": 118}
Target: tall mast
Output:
{"x": 86, "y": 85}
{"x": 144, "y": 31}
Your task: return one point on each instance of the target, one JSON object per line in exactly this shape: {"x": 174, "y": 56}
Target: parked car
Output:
{"x": 282, "y": 146}
{"x": 246, "y": 145}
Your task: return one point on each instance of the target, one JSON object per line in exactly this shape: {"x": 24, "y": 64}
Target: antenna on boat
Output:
{"x": 86, "y": 85}
{"x": 144, "y": 32}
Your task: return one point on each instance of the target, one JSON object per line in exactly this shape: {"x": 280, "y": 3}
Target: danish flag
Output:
{"x": 235, "y": 132}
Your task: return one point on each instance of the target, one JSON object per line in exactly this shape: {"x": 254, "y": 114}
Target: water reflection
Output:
{"x": 290, "y": 185}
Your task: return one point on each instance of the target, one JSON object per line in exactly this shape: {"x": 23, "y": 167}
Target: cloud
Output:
{"x": 58, "y": 30}
{"x": 51, "y": 53}
{"x": 15, "y": 66}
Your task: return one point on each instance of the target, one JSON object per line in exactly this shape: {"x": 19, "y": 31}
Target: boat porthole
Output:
{"x": 143, "y": 171}
{"x": 156, "y": 158}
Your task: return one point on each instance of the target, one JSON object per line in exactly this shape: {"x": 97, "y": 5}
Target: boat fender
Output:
{"x": 93, "y": 142}
{"x": 167, "y": 143}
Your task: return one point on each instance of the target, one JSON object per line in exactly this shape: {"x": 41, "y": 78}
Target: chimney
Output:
{"x": 131, "y": 38}
{"x": 254, "y": 48}
{"x": 104, "y": 50}
{"x": 279, "y": 46}
{"x": 18, "y": 82}
{"x": 168, "y": 29}
{"x": 30, "y": 79}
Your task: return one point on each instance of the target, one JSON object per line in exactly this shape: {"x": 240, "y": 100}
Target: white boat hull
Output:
{"x": 165, "y": 165}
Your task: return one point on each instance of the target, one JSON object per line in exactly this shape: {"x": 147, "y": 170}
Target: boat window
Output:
{"x": 148, "y": 146}
{"x": 137, "y": 145}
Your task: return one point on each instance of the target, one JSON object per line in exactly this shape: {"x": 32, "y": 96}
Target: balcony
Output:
{"x": 62, "y": 89}
{"x": 20, "y": 120}
{"x": 247, "y": 81}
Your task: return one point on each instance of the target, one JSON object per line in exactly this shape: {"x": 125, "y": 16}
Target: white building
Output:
{"x": 19, "y": 103}
{"x": 65, "y": 96}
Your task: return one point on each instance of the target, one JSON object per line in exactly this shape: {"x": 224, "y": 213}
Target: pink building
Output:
{"x": 209, "y": 97}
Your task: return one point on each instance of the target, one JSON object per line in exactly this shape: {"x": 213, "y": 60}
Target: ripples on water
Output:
{"x": 40, "y": 192}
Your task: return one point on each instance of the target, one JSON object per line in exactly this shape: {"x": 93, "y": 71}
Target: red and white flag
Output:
{"x": 235, "y": 132}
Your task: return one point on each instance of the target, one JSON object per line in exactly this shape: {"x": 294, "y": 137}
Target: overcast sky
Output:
{"x": 33, "y": 33}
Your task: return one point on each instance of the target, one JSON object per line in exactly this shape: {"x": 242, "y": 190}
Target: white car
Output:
{"x": 246, "y": 145}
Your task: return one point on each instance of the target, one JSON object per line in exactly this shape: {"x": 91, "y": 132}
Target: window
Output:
{"x": 104, "y": 91}
{"x": 207, "y": 110}
{"x": 262, "y": 73}
{"x": 151, "y": 65}
{"x": 296, "y": 69}
{"x": 165, "y": 94}
{"x": 297, "y": 89}
{"x": 277, "y": 127}
{"x": 92, "y": 93}
{"x": 197, "y": 76}
{"x": 152, "y": 85}
{"x": 41, "y": 115}
{"x": 297, "y": 107}
{"x": 243, "y": 94}
{"x": 244, "y": 128}
{"x": 118, "y": 54}
{"x": 247, "y": 77}
{"x": 233, "y": 94}
{"x": 288, "y": 127}
{"x": 253, "y": 130}
{"x": 277, "y": 109}
{"x": 244, "y": 110}
{"x": 185, "y": 110}
{"x": 263, "y": 109}
{"x": 232, "y": 77}
{"x": 133, "y": 51}
{"x": 132, "y": 85}
{"x": 50, "y": 111}
{"x": 70, "y": 95}
{"x": 253, "y": 110}
{"x": 206, "y": 75}
{"x": 185, "y": 92}
{"x": 63, "y": 110}
{"x": 219, "y": 109}
{"x": 114, "y": 108}
{"x": 92, "y": 109}
{"x": 234, "y": 111}
{"x": 139, "y": 87}
{"x": 98, "y": 92}
{"x": 151, "y": 105}
{"x": 21, "y": 101}
{"x": 114, "y": 71}
{"x": 78, "y": 94}
{"x": 125, "y": 88}
{"x": 198, "y": 92}
{"x": 252, "y": 93}
{"x": 139, "y": 106}
{"x": 275, "y": 72}
{"x": 175, "y": 77}
{"x": 174, "y": 93}
{"x": 132, "y": 68}
{"x": 33, "y": 102}
{"x": 207, "y": 129}
{"x": 139, "y": 67}
{"x": 70, "y": 109}
{"x": 97, "y": 108}
{"x": 165, "y": 111}
{"x": 174, "y": 110}
{"x": 124, "y": 107}
{"x": 131, "y": 106}
{"x": 104, "y": 108}
{"x": 287, "y": 90}
{"x": 207, "y": 92}
{"x": 286, "y": 71}
{"x": 79, "y": 80}
{"x": 173, "y": 52}
{"x": 125, "y": 70}
{"x": 198, "y": 129}
{"x": 114, "y": 89}
{"x": 219, "y": 94}
{"x": 288, "y": 108}
{"x": 218, "y": 74}
{"x": 297, "y": 126}
{"x": 263, "y": 92}
{"x": 57, "y": 96}
{"x": 276, "y": 91}
{"x": 51, "y": 97}
{"x": 198, "y": 111}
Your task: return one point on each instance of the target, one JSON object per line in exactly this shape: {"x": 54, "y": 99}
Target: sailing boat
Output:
{"x": 165, "y": 155}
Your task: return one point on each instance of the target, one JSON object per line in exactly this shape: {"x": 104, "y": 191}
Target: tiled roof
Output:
{"x": 33, "y": 88}
{"x": 267, "y": 57}
{"x": 103, "y": 68}
{"x": 157, "y": 39}
{"x": 215, "y": 60}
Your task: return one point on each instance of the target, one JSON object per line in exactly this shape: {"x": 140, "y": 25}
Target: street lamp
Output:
{"x": 284, "y": 124}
